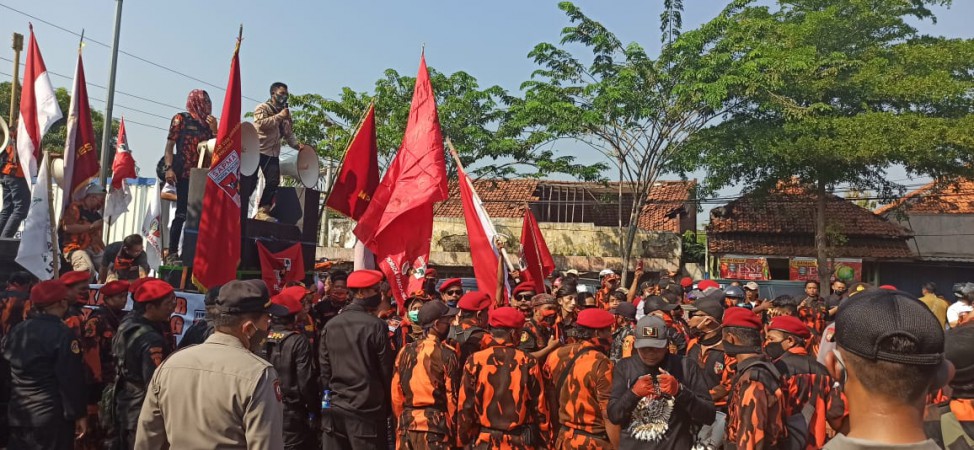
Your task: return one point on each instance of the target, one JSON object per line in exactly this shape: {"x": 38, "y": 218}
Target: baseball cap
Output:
{"x": 959, "y": 350}
{"x": 861, "y": 327}
{"x": 712, "y": 304}
{"x": 433, "y": 311}
{"x": 751, "y": 286}
{"x": 606, "y": 272}
{"x": 656, "y": 303}
{"x": 651, "y": 333}
{"x": 625, "y": 309}
{"x": 241, "y": 297}
{"x": 94, "y": 189}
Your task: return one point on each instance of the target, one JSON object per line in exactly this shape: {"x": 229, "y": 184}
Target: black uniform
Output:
{"x": 325, "y": 310}
{"x": 140, "y": 346}
{"x": 356, "y": 362}
{"x": 692, "y": 406}
{"x": 290, "y": 353}
{"x": 47, "y": 390}
{"x": 196, "y": 333}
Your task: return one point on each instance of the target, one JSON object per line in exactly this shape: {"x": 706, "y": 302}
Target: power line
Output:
{"x": 152, "y": 63}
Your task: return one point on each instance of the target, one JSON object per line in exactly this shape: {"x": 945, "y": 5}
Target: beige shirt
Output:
{"x": 271, "y": 129}
{"x": 842, "y": 442}
{"x": 214, "y": 395}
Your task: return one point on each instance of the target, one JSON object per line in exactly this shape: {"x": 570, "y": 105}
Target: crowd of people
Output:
{"x": 667, "y": 364}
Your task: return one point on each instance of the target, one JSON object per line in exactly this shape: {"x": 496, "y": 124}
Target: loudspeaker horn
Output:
{"x": 6, "y": 134}
{"x": 57, "y": 171}
{"x": 249, "y": 149}
{"x": 303, "y": 166}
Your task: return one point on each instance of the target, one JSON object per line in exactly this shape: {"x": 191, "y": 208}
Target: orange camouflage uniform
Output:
{"x": 756, "y": 408}
{"x": 813, "y": 312}
{"x": 579, "y": 408}
{"x": 76, "y": 214}
{"x": 502, "y": 400}
{"x": 809, "y": 386}
{"x": 424, "y": 394}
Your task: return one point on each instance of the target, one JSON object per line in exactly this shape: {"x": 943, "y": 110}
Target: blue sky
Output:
{"x": 320, "y": 46}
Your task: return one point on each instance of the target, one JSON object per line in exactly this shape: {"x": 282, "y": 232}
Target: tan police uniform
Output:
{"x": 214, "y": 395}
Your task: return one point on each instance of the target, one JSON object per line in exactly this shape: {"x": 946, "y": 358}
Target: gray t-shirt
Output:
{"x": 842, "y": 442}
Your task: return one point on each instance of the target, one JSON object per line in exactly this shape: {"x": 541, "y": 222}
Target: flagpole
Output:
{"x": 106, "y": 134}
{"x": 18, "y": 45}
{"x": 54, "y": 226}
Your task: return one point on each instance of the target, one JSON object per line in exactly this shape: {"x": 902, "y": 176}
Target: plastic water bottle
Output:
{"x": 326, "y": 399}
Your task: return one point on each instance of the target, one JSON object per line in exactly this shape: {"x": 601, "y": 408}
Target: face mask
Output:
{"x": 774, "y": 350}
{"x": 257, "y": 340}
{"x": 280, "y": 99}
{"x": 413, "y": 316}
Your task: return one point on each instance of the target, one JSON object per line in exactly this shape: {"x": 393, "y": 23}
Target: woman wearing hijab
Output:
{"x": 186, "y": 131}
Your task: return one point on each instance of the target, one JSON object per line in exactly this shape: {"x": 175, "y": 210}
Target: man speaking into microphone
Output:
{"x": 273, "y": 121}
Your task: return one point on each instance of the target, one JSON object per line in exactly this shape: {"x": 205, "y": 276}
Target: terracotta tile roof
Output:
{"x": 782, "y": 223}
{"x": 507, "y": 199}
{"x": 956, "y": 197}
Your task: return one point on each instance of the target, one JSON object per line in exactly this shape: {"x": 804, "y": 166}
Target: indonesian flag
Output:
{"x": 80, "y": 155}
{"x": 38, "y": 108}
{"x": 481, "y": 233}
{"x": 36, "y": 252}
{"x": 123, "y": 168}
{"x": 278, "y": 268}
{"x": 152, "y": 229}
{"x": 535, "y": 257}
{"x": 218, "y": 243}
{"x": 359, "y": 174}
{"x": 398, "y": 223}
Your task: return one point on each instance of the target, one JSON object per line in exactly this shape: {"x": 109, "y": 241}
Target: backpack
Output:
{"x": 796, "y": 425}
{"x": 107, "y": 417}
{"x": 950, "y": 428}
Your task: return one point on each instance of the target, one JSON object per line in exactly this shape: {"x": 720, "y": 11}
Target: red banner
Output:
{"x": 277, "y": 269}
{"x": 359, "y": 175}
{"x": 745, "y": 268}
{"x": 80, "y": 154}
{"x": 806, "y": 269}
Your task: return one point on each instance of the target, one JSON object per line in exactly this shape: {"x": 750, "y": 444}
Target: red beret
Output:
{"x": 152, "y": 290}
{"x": 595, "y": 318}
{"x": 114, "y": 288}
{"x": 76, "y": 277}
{"x": 430, "y": 273}
{"x": 686, "y": 282}
{"x": 447, "y": 284}
{"x": 290, "y": 298}
{"x": 48, "y": 292}
{"x": 526, "y": 286}
{"x": 360, "y": 279}
{"x": 134, "y": 286}
{"x": 705, "y": 284}
{"x": 888, "y": 287}
{"x": 506, "y": 317}
{"x": 474, "y": 301}
{"x": 790, "y": 325}
{"x": 742, "y": 318}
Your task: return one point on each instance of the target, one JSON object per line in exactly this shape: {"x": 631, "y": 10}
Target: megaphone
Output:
{"x": 57, "y": 171}
{"x": 303, "y": 166}
{"x": 6, "y": 134}
{"x": 249, "y": 149}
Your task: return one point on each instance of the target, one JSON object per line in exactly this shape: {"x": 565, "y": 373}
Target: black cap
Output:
{"x": 625, "y": 309}
{"x": 959, "y": 350}
{"x": 862, "y": 324}
{"x": 712, "y": 304}
{"x": 250, "y": 296}
{"x": 210, "y": 298}
{"x": 656, "y": 303}
{"x": 433, "y": 311}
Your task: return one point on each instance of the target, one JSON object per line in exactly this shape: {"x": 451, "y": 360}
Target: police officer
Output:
{"x": 47, "y": 399}
{"x": 502, "y": 399}
{"x": 219, "y": 394}
{"x": 538, "y": 337}
{"x": 356, "y": 362}
{"x": 469, "y": 335}
{"x": 578, "y": 379}
{"x": 96, "y": 347}
{"x": 200, "y": 330}
{"x": 425, "y": 383}
{"x": 290, "y": 352}
{"x": 140, "y": 346}
{"x": 653, "y": 377}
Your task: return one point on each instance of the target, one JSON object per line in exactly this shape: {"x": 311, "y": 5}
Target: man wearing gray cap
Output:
{"x": 219, "y": 394}
{"x": 658, "y": 398}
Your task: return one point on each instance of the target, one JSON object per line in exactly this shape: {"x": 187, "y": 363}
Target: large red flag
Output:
{"x": 38, "y": 109}
{"x": 123, "y": 167}
{"x": 218, "y": 243}
{"x": 481, "y": 233}
{"x": 80, "y": 154}
{"x": 398, "y": 223}
{"x": 534, "y": 252}
{"x": 279, "y": 268}
{"x": 359, "y": 175}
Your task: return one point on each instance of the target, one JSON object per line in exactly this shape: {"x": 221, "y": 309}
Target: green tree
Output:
{"x": 834, "y": 93}
{"x": 636, "y": 110}
{"x": 474, "y": 118}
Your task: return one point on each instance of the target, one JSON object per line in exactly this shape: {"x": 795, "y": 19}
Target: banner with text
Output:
{"x": 844, "y": 269}
{"x": 749, "y": 268}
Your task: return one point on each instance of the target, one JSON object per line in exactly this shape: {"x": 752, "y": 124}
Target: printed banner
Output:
{"x": 749, "y": 268}
{"x": 805, "y": 269}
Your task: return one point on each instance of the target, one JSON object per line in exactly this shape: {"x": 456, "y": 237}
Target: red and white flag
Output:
{"x": 123, "y": 168}
{"x": 481, "y": 234}
{"x": 38, "y": 109}
{"x": 80, "y": 154}
{"x": 397, "y": 226}
{"x": 535, "y": 257}
{"x": 218, "y": 242}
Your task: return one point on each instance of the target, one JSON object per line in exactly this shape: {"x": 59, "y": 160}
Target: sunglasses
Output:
{"x": 523, "y": 297}
{"x": 454, "y": 292}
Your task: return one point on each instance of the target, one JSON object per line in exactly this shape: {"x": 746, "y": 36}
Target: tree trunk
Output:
{"x": 820, "y": 239}
{"x": 629, "y": 240}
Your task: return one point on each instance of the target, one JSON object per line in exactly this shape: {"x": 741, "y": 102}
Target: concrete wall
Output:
{"x": 581, "y": 246}
{"x": 941, "y": 235}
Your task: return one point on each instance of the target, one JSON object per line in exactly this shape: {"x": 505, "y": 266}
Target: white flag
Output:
{"x": 117, "y": 202}
{"x": 152, "y": 230}
{"x": 36, "y": 252}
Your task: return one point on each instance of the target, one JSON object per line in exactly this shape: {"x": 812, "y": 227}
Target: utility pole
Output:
{"x": 18, "y": 45}
{"x": 106, "y": 134}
